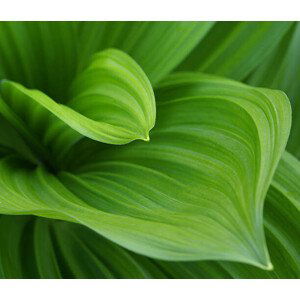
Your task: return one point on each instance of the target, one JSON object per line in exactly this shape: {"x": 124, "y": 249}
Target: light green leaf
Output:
{"x": 194, "y": 192}
{"x": 235, "y": 49}
{"x": 64, "y": 250}
{"x": 281, "y": 219}
{"x": 115, "y": 90}
{"x": 112, "y": 101}
{"x": 158, "y": 47}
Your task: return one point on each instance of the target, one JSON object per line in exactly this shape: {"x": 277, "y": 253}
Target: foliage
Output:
{"x": 124, "y": 154}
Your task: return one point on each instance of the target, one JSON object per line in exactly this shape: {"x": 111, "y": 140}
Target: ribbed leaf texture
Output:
{"x": 43, "y": 248}
{"x": 118, "y": 169}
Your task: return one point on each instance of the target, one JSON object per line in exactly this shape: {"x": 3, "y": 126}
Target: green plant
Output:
{"x": 121, "y": 157}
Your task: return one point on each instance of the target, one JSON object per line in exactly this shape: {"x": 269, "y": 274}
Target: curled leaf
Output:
{"x": 112, "y": 102}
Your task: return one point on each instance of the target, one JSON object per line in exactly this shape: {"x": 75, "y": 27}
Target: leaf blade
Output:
{"x": 91, "y": 119}
{"x": 235, "y": 49}
{"x": 157, "y": 46}
{"x": 146, "y": 204}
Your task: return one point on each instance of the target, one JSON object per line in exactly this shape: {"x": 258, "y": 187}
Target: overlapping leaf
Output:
{"x": 235, "y": 49}
{"x": 40, "y": 55}
{"x": 225, "y": 137}
{"x": 196, "y": 191}
{"x": 282, "y": 71}
{"x": 282, "y": 230}
{"x": 158, "y": 47}
{"x": 112, "y": 101}
{"x": 39, "y": 248}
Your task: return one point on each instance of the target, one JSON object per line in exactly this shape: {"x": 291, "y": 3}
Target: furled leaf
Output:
{"x": 194, "y": 192}
{"x": 158, "y": 47}
{"x": 235, "y": 49}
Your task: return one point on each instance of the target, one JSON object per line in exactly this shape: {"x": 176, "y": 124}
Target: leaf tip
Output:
{"x": 146, "y": 138}
{"x": 265, "y": 265}
{"x": 268, "y": 266}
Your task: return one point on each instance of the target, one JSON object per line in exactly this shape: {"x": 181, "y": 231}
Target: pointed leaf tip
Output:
{"x": 112, "y": 101}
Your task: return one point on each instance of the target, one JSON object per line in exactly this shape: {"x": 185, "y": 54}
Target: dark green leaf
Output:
{"x": 235, "y": 49}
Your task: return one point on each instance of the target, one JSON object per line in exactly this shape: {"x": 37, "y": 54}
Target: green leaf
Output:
{"x": 40, "y": 55}
{"x": 64, "y": 250}
{"x": 48, "y": 55}
{"x": 115, "y": 90}
{"x": 194, "y": 192}
{"x": 235, "y": 49}
{"x": 286, "y": 179}
{"x": 11, "y": 236}
{"x": 281, "y": 71}
{"x": 281, "y": 219}
{"x": 112, "y": 101}
{"x": 40, "y": 248}
{"x": 157, "y": 46}
{"x": 11, "y": 142}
